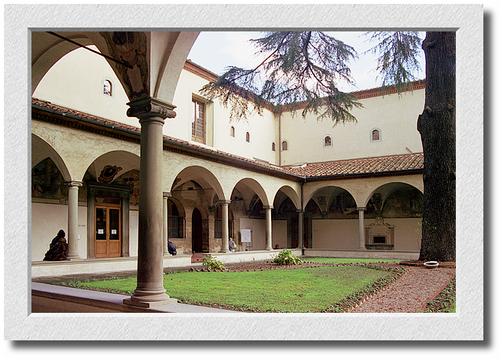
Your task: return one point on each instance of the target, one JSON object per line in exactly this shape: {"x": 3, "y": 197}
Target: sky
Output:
{"x": 216, "y": 50}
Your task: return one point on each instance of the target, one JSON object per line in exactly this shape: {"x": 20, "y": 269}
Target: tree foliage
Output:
{"x": 398, "y": 54}
{"x": 297, "y": 67}
{"x": 307, "y": 66}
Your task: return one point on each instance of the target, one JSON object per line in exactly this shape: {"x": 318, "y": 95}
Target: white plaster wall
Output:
{"x": 47, "y": 220}
{"x": 133, "y": 233}
{"x": 261, "y": 127}
{"x": 257, "y": 227}
{"x": 394, "y": 115}
{"x": 342, "y": 234}
{"x": 76, "y": 81}
{"x": 279, "y": 234}
{"x": 335, "y": 234}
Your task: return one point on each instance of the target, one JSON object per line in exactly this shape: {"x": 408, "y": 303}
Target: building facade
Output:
{"x": 277, "y": 179}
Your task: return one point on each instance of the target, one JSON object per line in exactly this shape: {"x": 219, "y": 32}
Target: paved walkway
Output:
{"x": 99, "y": 298}
{"x": 410, "y": 293}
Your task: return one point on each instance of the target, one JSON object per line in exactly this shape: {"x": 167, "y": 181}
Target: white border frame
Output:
{"x": 466, "y": 324}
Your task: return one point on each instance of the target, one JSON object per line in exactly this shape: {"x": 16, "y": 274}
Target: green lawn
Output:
{"x": 296, "y": 290}
{"x": 348, "y": 260}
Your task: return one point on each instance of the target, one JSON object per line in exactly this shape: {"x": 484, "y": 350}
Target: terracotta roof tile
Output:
{"x": 361, "y": 166}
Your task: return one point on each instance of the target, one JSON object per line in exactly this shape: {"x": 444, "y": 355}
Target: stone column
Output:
{"x": 151, "y": 113}
{"x": 300, "y": 213}
{"x": 361, "y": 227}
{"x": 225, "y": 226}
{"x": 165, "y": 234}
{"x": 268, "y": 224}
{"x": 73, "y": 218}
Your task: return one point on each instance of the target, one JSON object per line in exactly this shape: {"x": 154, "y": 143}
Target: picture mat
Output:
{"x": 465, "y": 324}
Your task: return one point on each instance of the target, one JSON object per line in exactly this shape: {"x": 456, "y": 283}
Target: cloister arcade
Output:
{"x": 330, "y": 214}
{"x": 126, "y": 193}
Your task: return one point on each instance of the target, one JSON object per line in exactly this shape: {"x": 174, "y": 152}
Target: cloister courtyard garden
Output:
{"x": 299, "y": 285}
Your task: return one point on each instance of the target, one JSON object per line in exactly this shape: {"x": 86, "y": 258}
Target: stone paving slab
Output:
{"x": 117, "y": 299}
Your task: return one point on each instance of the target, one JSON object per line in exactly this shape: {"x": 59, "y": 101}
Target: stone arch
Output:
{"x": 311, "y": 194}
{"x": 172, "y": 65}
{"x": 123, "y": 160}
{"x": 48, "y": 49}
{"x": 41, "y": 150}
{"x": 291, "y": 194}
{"x": 202, "y": 176}
{"x": 255, "y": 186}
{"x": 388, "y": 187}
{"x": 390, "y": 191}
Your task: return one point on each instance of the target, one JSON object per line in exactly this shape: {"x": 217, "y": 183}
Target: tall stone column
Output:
{"x": 165, "y": 233}
{"x": 268, "y": 224}
{"x": 151, "y": 113}
{"x": 300, "y": 244}
{"x": 73, "y": 218}
{"x": 361, "y": 227}
{"x": 225, "y": 226}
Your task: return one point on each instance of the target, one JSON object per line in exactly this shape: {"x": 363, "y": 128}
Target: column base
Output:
{"x": 73, "y": 257}
{"x": 145, "y": 299}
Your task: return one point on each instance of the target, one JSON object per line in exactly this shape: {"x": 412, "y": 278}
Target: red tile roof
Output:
{"x": 362, "y": 166}
{"x": 371, "y": 166}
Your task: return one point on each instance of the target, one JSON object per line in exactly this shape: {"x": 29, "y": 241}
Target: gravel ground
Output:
{"x": 410, "y": 293}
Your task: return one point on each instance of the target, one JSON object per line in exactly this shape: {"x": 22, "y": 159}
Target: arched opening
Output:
{"x": 394, "y": 213}
{"x": 176, "y": 220}
{"x": 111, "y": 189}
{"x": 249, "y": 215}
{"x": 284, "y": 145}
{"x": 198, "y": 243}
{"x": 285, "y": 222}
{"x": 107, "y": 87}
{"x": 331, "y": 219}
{"x": 328, "y": 141}
{"x": 247, "y": 136}
{"x": 49, "y": 196}
{"x": 376, "y": 135}
{"x": 233, "y": 131}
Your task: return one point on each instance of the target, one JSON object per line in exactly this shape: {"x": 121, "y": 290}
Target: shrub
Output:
{"x": 286, "y": 257}
{"x": 213, "y": 264}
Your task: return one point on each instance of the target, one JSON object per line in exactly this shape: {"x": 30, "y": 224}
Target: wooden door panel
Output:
{"x": 114, "y": 248}
{"x": 108, "y": 237}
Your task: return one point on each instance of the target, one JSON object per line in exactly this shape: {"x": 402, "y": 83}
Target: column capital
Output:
{"x": 222, "y": 202}
{"x": 361, "y": 208}
{"x": 146, "y": 107}
{"x": 166, "y": 194}
{"x": 73, "y": 183}
{"x": 299, "y": 211}
{"x": 268, "y": 207}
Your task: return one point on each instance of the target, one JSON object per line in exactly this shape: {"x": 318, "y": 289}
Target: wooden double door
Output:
{"x": 108, "y": 236}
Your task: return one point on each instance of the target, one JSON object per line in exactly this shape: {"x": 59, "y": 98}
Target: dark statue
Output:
{"x": 58, "y": 250}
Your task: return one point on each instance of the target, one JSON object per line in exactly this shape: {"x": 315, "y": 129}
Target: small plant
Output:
{"x": 213, "y": 264}
{"x": 286, "y": 257}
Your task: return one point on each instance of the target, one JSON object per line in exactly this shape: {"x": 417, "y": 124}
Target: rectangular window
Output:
{"x": 198, "y": 121}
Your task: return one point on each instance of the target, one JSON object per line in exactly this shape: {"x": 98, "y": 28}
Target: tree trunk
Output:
{"x": 437, "y": 126}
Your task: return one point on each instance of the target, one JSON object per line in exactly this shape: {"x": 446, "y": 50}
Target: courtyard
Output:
{"x": 315, "y": 285}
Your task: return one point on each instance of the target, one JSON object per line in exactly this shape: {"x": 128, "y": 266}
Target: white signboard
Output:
{"x": 114, "y": 232}
{"x": 246, "y": 236}
{"x": 101, "y": 231}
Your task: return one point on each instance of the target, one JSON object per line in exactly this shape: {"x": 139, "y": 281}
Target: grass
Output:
{"x": 295, "y": 290}
{"x": 348, "y": 260}
{"x": 445, "y": 301}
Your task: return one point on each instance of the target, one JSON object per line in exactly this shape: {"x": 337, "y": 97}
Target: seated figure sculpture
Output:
{"x": 58, "y": 250}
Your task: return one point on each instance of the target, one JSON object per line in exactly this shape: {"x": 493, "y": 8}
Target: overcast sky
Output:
{"x": 217, "y": 50}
